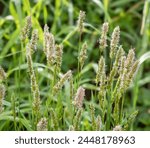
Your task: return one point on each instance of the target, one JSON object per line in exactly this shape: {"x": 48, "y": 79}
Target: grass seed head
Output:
{"x": 131, "y": 73}
{"x": 33, "y": 41}
{"x": 119, "y": 54}
{"x": 34, "y": 85}
{"x": 122, "y": 65}
{"x": 46, "y": 39}
{"x": 2, "y": 95}
{"x": 2, "y": 74}
{"x": 93, "y": 120}
{"x": 103, "y": 39}
{"x": 36, "y": 98}
{"x": 26, "y": 29}
{"x": 71, "y": 128}
{"x": 50, "y": 49}
{"x": 58, "y": 56}
{"x": 114, "y": 42}
{"x": 42, "y": 125}
{"x": 128, "y": 71}
{"x": 130, "y": 119}
{"x": 98, "y": 123}
{"x": 83, "y": 54}
{"x": 49, "y": 46}
{"x": 130, "y": 59}
{"x": 117, "y": 128}
{"x": 60, "y": 84}
{"x": 116, "y": 64}
{"x": 80, "y": 22}
{"x": 78, "y": 101}
{"x": 101, "y": 70}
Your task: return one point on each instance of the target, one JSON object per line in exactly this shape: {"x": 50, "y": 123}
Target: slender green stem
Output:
{"x": 135, "y": 97}
{"x": 108, "y": 120}
{"x": 14, "y": 111}
{"x": 55, "y": 74}
{"x": 78, "y": 74}
{"x": 121, "y": 110}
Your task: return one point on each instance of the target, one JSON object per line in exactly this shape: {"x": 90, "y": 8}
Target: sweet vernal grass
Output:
{"x": 66, "y": 106}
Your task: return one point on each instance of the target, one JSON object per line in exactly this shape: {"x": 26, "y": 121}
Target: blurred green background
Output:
{"x": 133, "y": 17}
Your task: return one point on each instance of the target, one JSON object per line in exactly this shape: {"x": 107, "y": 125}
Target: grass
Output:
{"x": 13, "y": 59}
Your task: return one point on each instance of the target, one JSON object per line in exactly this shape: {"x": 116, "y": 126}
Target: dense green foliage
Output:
{"x": 133, "y": 17}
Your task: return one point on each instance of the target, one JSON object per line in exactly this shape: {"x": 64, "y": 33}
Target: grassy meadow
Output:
{"x": 74, "y": 65}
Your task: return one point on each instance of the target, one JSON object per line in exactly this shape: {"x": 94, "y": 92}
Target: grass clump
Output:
{"x": 65, "y": 106}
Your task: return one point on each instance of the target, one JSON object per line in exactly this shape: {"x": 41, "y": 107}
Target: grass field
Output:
{"x": 87, "y": 69}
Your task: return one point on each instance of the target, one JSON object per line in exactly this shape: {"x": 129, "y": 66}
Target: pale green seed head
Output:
{"x": 60, "y": 83}
{"x": 2, "y": 95}
{"x": 81, "y": 18}
{"x": 103, "y": 38}
{"x": 101, "y": 70}
{"x": 2, "y": 74}
{"x": 83, "y": 54}
{"x": 130, "y": 59}
{"x": 58, "y": 56}
{"x": 33, "y": 41}
{"x": 26, "y": 29}
{"x": 114, "y": 42}
{"x": 79, "y": 97}
{"x": 42, "y": 125}
{"x": 117, "y": 128}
